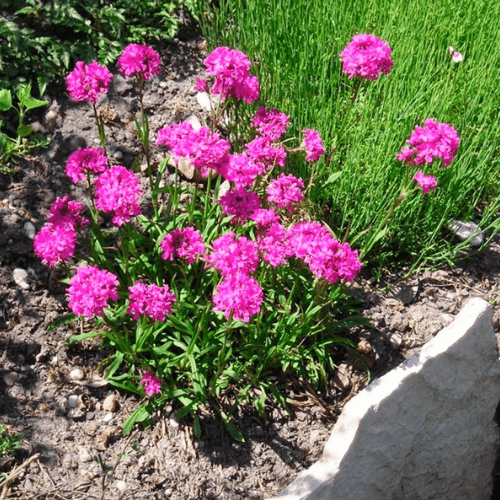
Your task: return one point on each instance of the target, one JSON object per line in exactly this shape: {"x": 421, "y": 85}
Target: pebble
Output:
{"x": 30, "y": 230}
{"x": 107, "y": 418}
{"x": 172, "y": 421}
{"x": 21, "y": 359}
{"x": 84, "y": 455}
{"x": 110, "y": 404}
{"x": 163, "y": 84}
{"x": 118, "y": 155}
{"x": 395, "y": 340}
{"x": 20, "y": 276}
{"x": 204, "y": 100}
{"x": 194, "y": 121}
{"x": 121, "y": 486}
{"x": 73, "y": 401}
{"x": 10, "y": 378}
{"x": 465, "y": 230}
{"x": 77, "y": 374}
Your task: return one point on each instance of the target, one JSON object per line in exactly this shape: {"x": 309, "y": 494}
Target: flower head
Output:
{"x": 239, "y": 296}
{"x": 366, "y": 56}
{"x": 152, "y": 384}
{"x": 273, "y": 245}
{"x": 455, "y": 55}
{"x": 426, "y": 182}
{"x": 153, "y": 301}
{"x": 240, "y": 203}
{"x": 67, "y": 213}
{"x": 233, "y": 255}
{"x": 83, "y": 161}
{"x": 285, "y": 191}
{"x": 88, "y": 82}
{"x": 232, "y": 77}
{"x": 433, "y": 140}
{"x": 242, "y": 170}
{"x": 262, "y": 150}
{"x": 54, "y": 243}
{"x": 313, "y": 145}
{"x": 90, "y": 290}
{"x": 270, "y": 123}
{"x": 184, "y": 243}
{"x": 118, "y": 191}
{"x": 139, "y": 60}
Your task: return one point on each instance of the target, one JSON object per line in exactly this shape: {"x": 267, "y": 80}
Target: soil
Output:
{"x": 53, "y": 394}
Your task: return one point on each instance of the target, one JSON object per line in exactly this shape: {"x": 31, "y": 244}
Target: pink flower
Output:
{"x": 184, "y": 243}
{"x": 67, "y": 213}
{"x": 54, "y": 243}
{"x": 153, "y": 301}
{"x": 455, "y": 55}
{"x": 87, "y": 83}
{"x": 201, "y": 85}
{"x": 233, "y": 255}
{"x": 264, "y": 217}
{"x": 426, "y": 182}
{"x": 139, "y": 60}
{"x": 152, "y": 384}
{"x": 90, "y": 290}
{"x": 273, "y": 245}
{"x": 238, "y": 295}
{"x": 240, "y": 203}
{"x": 366, "y": 56}
{"x": 242, "y": 170}
{"x": 313, "y": 144}
{"x": 433, "y": 140}
{"x": 285, "y": 191}
{"x": 270, "y": 123}
{"x": 232, "y": 77}
{"x": 200, "y": 147}
{"x": 261, "y": 150}
{"x": 88, "y": 160}
{"x": 118, "y": 191}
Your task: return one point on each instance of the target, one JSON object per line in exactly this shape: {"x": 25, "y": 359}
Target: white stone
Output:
{"x": 73, "y": 401}
{"x": 110, "y": 404}
{"x": 204, "y": 100}
{"x": 194, "y": 121}
{"x": 30, "y": 230}
{"x": 121, "y": 486}
{"x": 425, "y": 430}
{"x": 84, "y": 455}
{"x": 172, "y": 421}
{"x": 20, "y": 276}
{"x": 77, "y": 374}
{"x": 10, "y": 378}
{"x": 465, "y": 230}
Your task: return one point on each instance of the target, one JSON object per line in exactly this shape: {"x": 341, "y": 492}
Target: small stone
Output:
{"x": 20, "y": 276}
{"x": 73, "y": 401}
{"x": 77, "y": 374}
{"x": 84, "y": 455}
{"x": 21, "y": 360}
{"x": 341, "y": 379}
{"x": 466, "y": 230}
{"x": 172, "y": 421}
{"x": 364, "y": 347}
{"x": 121, "y": 486}
{"x": 110, "y": 404}
{"x": 163, "y": 84}
{"x": 30, "y": 230}
{"x": 107, "y": 418}
{"x": 118, "y": 155}
{"x": 90, "y": 415}
{"x": 10, "y": 378}
{"x": 194, "y": 121}
{"x": 204, "y": 100}
{"x": 395, "y": 340}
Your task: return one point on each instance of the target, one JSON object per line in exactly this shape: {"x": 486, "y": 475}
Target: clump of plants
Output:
{"x": 9, "y": 444}
{"x": 209, "y": 296}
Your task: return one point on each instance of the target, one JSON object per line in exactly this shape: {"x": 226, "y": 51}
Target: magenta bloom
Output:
{"x": 433, "y": 140}
{"x": 238, "y": 295}
{"x": 118, "y": 191}
{"x": 264, "y": 217}
{"x": 90, "y": 290}
{"x": 426, "y": 182}
{"x": 54, "y": 243}
{"x": 152, "y": 384}
{"x": 285, "y": 191}
{"x": 232, "y": 77}
{"x": 270, "y": 123}
{"x": 184, "y": 243}
{"x": 233, "y": 255}
{"x": 139, "y": 60}
{"x": 242, "y": 170}
{"x": 67, "y": 213}
{"x": 313, "y": 144}
{"x": 83, "y": 161}
{"x": 240, "y": 203}
{"x": 262, "y": 150}
{"x": 273, "y": 245}
{"x": 366, "y": 56}
{"x": 88, "y": 82}
{"x": 200, "y": 147}
{"x": 201, "y": 85}
{"x": 153, "y": 301}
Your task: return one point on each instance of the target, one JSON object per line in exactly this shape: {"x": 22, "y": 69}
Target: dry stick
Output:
{"x": 14, "y": 474}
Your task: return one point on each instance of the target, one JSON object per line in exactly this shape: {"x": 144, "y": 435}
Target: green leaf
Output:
{"x": 24, "y": 130}
{"x": 43, "y": 82}
{"x": 63, "y": 320}
{"x": 23, "y": 94}
{"x": 140, "y": 415}
{"x": 5, "y": 100}
{"x": 231, "y": 428}
{"x": 333, "y": 177}
{"x": 82, "y": 336}
{"x": 32, "y": 103}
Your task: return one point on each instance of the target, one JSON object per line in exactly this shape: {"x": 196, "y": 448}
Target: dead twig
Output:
{"x": 14, "y": 474}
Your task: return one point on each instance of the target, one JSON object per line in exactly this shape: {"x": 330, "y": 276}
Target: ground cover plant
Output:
{"x": 443, "y": 69}
{"x": 202, "y": 297}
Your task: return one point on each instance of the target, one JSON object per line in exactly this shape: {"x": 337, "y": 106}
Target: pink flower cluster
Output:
{"x": 273, "y": 245}
{"x": 184, "y": 243}
{"x": 366, "y": 56}
{"x": 240, "y": 203}
{"x": 433, "y": 140}
{"x": 88, "y": 82}
{"x": 285, "y": 191}
{"x": 152, "y": 384}
{"x": 200, "y": 147}
{"x": 153, "y": 301}
{"x": 313, "y": 145}
{"x": 56, "y": 240}
{"x": 262, "y": 150}
{"x": 326, "y": 257}
{"x": 426, "y": 182}
{"x": 139, "y": 60}
{"x": 118, "y": 191}
{"x": 90, "y": 290}
{"x": 232, "y": 255}
{"x": 242, "y": 170}
{"x": 232, "y": 77}
{"x": 83, "y": 161}
{"x": 270, "y": 123}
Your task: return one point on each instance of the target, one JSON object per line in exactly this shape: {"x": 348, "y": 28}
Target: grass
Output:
{"x": 296, "y": 47}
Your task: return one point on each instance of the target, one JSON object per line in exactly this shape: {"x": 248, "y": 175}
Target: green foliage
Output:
{"x": 42, "y": 39}
{"x": 8, "y": 446}
{"x": 10, "y": 148}
{"x": 297, "y": 45}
